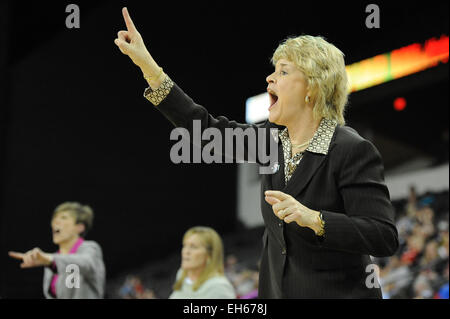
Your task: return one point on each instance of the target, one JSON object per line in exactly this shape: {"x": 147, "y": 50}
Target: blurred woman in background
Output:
{"x": 77, "y": 270}
{"x": 201, "y": 275}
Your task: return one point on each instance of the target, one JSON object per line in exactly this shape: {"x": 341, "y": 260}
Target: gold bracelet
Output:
{"x": 321, "y": 232}
{"x": 150, "y": 78}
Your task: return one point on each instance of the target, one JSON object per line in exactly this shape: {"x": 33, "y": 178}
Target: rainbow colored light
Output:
{"x": 398, "y": 63}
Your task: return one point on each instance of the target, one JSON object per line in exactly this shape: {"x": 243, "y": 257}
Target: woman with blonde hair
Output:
{"x": 201, "y": 275}
{"x": 326, "y": 208}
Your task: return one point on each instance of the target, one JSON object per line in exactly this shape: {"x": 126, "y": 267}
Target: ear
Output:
{"x": 80, "y": 228}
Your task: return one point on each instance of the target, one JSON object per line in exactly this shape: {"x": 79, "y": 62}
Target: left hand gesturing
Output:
{"x": 32, "y": 258}
{"x": 287, "y": 208}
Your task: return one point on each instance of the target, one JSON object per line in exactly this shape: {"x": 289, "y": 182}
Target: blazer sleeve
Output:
{"x": 88, "y": 258}
{"x": 48, "y": 274}
{"x": 181, "y": 111}
{"x": 367, "y": 226}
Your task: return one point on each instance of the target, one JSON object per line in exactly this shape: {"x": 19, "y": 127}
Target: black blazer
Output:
{"x": 346, "y": 185}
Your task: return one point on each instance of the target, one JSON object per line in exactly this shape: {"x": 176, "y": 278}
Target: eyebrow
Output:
{"x": 284, "y": 65}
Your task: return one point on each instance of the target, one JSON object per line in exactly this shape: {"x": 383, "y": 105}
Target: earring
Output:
{"x": 307, "y": 99}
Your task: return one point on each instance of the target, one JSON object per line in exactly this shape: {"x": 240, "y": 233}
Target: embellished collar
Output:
{"x": 321, "y": 140}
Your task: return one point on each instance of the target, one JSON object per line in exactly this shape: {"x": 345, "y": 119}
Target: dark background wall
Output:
{"x": 75, "y": 126}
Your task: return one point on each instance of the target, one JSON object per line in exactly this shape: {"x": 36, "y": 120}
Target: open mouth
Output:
{"x": 273, "y": 98}
{"x": 56, "y": 231}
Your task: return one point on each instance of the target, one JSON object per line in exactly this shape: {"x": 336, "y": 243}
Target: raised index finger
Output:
{"x": 15, "y": 255}
{"x": 277, "y": 194}
{"x": 128, "y": 21}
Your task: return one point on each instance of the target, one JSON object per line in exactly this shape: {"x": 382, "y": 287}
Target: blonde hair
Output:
{"x": 83, "y": 214}
{"x": 214, "y": 247}
{"x": 324, "y": 67}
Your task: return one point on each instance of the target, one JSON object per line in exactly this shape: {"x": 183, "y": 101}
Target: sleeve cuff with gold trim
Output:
{"x": 158, "y": 95}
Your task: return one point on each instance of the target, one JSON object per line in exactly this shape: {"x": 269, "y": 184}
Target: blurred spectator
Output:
{"x": 422, "y": 287}
{"x": 244, "y": 280}
{"x": 134, "y": 289}
{"x": 411, "y": 205}
{"x": 232, "y": 268}
{"x": 250, "y": 289}
{"x": 443, "y": 290}
{"x": 202, "y": 273}
{"x": 394, "y": 277}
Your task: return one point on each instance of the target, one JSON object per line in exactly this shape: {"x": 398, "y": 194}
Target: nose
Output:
{"x": 270, "y": 78}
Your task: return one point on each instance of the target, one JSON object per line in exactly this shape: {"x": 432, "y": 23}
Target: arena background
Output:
{"x": 74, "y": 125}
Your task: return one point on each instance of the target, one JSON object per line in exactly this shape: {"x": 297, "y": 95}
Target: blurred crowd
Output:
{"x": 133, "y": 288}
{"x": 419, "y": 269}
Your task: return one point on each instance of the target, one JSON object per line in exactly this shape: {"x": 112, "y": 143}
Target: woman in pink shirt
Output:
{"x": 77, "y": 270}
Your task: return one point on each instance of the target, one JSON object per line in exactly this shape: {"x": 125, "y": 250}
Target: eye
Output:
{"x": 283, "y": 72}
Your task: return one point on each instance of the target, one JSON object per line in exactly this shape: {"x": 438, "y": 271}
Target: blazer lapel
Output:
{"x": 320, "y": 147}
{"x": 303, "y": 173}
